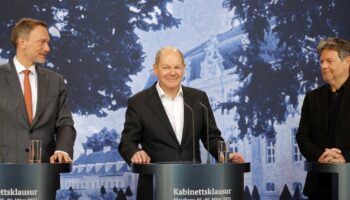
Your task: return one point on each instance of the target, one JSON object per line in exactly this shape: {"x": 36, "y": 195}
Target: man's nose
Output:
{"x": 172, "y": 71}
{"x": 46, "y": 47}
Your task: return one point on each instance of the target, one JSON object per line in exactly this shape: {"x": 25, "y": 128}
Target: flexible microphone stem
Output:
{"x": 207, "y": 113}
{"x": 193, "y": 132}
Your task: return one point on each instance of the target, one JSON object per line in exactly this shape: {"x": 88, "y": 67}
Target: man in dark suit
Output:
{"x": 323, "y": 134}
{"x": 160, "y": 120}
{"x": 33, "y": 100}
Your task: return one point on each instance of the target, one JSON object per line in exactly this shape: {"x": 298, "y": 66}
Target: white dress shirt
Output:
{"x": 174, "y": 109}
{"x": 33, "y": 78}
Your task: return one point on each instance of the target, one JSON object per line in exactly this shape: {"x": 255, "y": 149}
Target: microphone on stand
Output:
{"x": 207, "y": 113}
{"x": 193, "y": 132}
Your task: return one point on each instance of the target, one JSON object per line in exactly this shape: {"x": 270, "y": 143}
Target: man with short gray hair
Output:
{"x": 160, "y": 120}
{"x": 323, "y": 134}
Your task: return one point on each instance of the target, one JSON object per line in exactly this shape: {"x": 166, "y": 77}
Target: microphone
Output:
{"x": 207, "y": 113}
{"x": 193, "y": 132}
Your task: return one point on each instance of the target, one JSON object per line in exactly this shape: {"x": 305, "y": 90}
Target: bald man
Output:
{"x": 160, "y": 120}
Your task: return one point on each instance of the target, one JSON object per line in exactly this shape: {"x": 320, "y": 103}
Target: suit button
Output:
{"x": 180, "y": 150}
{"x": 31, "y": 131}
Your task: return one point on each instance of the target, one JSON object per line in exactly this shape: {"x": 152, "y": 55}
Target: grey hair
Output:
{"x": 340, "y": 45}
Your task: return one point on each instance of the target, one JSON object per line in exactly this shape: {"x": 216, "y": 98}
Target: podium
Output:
{"x": 195, "y": 181}
{"x": 37, "y": 181}
{"x": 340, "y": 186}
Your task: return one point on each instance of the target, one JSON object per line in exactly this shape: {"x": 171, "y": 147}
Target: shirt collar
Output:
{"x": 20, "y": 68}
{"x": 163, "y": 94}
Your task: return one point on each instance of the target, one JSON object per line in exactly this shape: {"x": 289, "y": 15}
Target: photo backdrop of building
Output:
{"x": 255, "y": 59}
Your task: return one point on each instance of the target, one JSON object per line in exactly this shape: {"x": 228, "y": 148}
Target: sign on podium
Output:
{"x": 179, "y": 181}
{"x": 38, "y": 181}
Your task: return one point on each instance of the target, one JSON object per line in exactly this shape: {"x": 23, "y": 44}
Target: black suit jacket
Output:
{"x": 52, "y": 123}
{"x": 313, "y": 136}
{"x": 147, "y": 124}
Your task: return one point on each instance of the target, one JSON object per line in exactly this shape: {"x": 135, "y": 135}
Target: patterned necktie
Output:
{"x": 28, "y": 95}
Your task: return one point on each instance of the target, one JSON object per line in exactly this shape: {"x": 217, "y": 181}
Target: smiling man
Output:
{"x": 33, "y": 100}
{"x": 323, "y": 134}
{"x": 160, "y": 120}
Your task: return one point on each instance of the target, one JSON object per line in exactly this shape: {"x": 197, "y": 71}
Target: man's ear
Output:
{"x": 155, "y": 69}
{"x": 20, "y": 42}
{"x": 347, "y": 60}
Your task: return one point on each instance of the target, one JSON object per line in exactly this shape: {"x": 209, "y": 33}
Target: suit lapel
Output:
{"x": 43, "y": 84}
{"x": 13, "y": 81}
{"x": 157, "y": 107}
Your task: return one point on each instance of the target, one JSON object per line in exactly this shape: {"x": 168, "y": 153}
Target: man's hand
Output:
{"x": 236, "y": 158}
{"x": 60, "y": 157}
{"x": 233, "y": 157}
{"x": 140, "y": 157}
{"x": 332, "y": 155}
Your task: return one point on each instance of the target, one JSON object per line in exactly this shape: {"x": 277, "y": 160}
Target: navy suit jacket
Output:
{"x": 52, "y": 123}
{"x": 313, "y": 136}
{"x": 147, "y": 124}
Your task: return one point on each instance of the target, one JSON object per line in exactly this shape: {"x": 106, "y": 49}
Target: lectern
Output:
{"x": 37, "y": 181}
{"x": 341, "y": 185}
{"x": 178, "y": 181}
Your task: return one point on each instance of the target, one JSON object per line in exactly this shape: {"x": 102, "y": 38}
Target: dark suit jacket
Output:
{"x": 52, "y": 123}
{"x": 313, "y": 136}
{"x": 147, "y": 124}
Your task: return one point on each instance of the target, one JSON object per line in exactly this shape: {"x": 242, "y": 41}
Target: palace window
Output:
{"x": 212, "y": 102}
{"x": 270, "y": 187}
{"x": 270, "y": 151}
{"x": 295, "y": 149}
{"x": 297, "y": 184}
